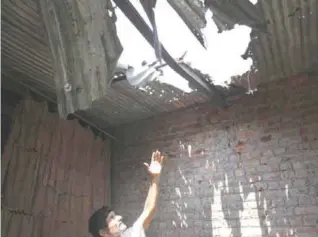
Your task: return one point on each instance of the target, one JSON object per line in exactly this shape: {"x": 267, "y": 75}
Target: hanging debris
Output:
{"x": 85, "y": 49}
{"x": 227, "y": 13}
{"x": 149, "y": 7}
{"x": 134, "y": 17}
{"x": 193, "y": 15}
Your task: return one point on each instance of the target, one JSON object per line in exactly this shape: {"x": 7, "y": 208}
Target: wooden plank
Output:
{"x": 85, "y": 49}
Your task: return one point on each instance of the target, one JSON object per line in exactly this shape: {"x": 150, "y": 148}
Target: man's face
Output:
{"x": 115, "y": 224}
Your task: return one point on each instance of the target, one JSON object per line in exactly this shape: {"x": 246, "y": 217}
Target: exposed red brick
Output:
{"x": 239, "y": 148}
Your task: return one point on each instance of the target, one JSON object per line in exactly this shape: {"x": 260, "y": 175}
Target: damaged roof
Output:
{"x": 284, "y": 44}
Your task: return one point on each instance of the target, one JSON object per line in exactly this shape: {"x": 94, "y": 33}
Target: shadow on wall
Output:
{"x": 263, "y": 187}
{"x": 232, "y": 182}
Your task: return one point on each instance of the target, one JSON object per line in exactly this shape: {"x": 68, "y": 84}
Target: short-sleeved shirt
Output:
{"x": 136, "y": 230}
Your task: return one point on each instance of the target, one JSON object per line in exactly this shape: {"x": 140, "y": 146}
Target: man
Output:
{"x": 105, "y": 223}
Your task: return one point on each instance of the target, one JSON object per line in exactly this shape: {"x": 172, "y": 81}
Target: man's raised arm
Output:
{"x": 154, "y": 168}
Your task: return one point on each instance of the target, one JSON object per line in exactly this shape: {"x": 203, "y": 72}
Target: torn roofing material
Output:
{"x": 149, "y": 7}
{"x": 85, "y": 50}
{"x": 132, "y": 14}
{"x": 227, "y": 13}
{"x": 289, "y": 49}
{"x": 291, "y": 44}
{"x": 193, "y": 15}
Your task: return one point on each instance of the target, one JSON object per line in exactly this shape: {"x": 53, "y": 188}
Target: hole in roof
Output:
{"x": 254, "y": 1}
{"x": 221, "y": 60}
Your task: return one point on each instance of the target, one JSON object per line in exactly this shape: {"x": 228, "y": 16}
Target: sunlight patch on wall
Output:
{"x": 226, "y": 183}
{"x": 219, "y": 223}
{"x": 189, "y": 150}
{"x": 249, "y": 218}
{"x": 178, "y": 192}
{"x": 286, "y": 192}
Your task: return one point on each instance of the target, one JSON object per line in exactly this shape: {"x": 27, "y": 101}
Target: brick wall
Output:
{"x": 248, "y": 170}
{"x": 54, "y": 173}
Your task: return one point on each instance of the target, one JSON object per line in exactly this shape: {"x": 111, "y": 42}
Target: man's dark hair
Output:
{"x": 97, "y": 221}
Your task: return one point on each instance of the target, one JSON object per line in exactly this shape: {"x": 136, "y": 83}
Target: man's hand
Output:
{"x": 155, "y": 165}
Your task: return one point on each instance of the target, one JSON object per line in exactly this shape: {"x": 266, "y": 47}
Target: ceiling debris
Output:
{"x": 133, "y": 15}
{"x": 85, "y": 49}
{"x": 140, "y": 77}
{"x": 227, "y": 13}
{"x": 288, "y": 47}
{"x": 149, "y": 6}
{"x": 193, "y": 15}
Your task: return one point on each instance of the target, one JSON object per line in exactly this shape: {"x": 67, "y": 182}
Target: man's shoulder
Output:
{"x": 136, "y": 230}
{"x": 131, "y": 232}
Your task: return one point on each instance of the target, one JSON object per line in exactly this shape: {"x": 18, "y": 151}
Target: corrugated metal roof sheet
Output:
{"x": 291, "y": 44}
{"x": 125, "y": 104}
{"x": 288, "y": 49}
{"x": 25, "y": 50}
{"x": 24, "y": 45}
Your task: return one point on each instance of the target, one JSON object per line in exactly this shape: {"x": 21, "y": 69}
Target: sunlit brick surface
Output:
{"x": 248, "y": 170}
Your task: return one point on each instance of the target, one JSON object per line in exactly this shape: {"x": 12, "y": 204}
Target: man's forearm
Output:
{"x": 152, "y": 197}
{"x": 151, "y": 201}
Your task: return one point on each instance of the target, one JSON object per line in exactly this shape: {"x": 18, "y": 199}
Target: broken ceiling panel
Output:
{"x": 227, "y": 13}
{"x": 85, "y": 49}
{"x": 135, "y": 18}
{"x": 289, "y": 48}
{"x": 193, "y": 15}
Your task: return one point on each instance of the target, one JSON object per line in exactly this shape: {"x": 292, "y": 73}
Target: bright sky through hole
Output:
{"x": 221, "y": 60}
